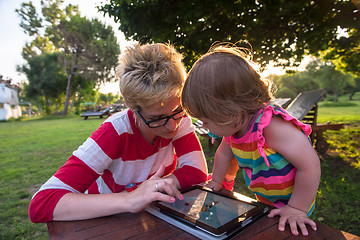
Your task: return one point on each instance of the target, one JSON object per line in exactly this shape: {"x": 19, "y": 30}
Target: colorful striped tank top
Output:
{"x": 267, "y": 173}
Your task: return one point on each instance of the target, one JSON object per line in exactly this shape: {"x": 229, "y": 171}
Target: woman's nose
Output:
{"x": 172, "y": 124}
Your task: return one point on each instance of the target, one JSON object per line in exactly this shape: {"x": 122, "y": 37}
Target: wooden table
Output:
{"x": 143, "y": 225}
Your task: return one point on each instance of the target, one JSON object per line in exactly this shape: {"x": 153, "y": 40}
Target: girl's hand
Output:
{"x": 153, "y": 189}
{"x": 213, "y": 185}
{"x": 295, "y": 218}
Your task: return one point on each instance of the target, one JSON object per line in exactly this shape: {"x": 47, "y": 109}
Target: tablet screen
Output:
{"x": 209, "y": 208}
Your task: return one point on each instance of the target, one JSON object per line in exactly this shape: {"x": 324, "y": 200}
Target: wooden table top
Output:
{"x": 143, "y": 225}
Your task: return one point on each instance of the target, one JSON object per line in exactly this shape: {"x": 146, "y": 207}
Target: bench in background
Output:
{"x": 305, "y": 108}
{"x": 100, "y": 114}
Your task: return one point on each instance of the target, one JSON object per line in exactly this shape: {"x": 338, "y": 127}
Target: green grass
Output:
{"x": 343, "y": 111}
{"x": 32, "y": 150}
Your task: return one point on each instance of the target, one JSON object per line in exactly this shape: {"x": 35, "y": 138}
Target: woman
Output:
{"x": 136, "y": 150}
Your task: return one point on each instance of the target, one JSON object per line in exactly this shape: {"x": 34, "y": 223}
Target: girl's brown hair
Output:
{"x": 222, "y": 85}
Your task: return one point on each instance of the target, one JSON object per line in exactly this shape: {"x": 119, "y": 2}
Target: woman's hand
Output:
{"x": 295, "y": 218}
{"x": 153, "y": 189}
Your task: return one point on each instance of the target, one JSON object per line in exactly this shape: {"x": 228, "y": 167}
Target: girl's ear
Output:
{"x": 242, "y": 120}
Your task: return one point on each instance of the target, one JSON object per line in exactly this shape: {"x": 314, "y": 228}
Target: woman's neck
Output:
{"x": 149, "y": 136}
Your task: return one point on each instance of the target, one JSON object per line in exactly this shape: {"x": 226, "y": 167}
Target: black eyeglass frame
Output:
{"x": 166, "y": 121}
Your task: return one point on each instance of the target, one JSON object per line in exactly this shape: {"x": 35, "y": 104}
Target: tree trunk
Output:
{"x": 47, "y": 103}
{"x": 68, "y": 93}
{"x": 70, "y": 82}
{"x": 351, "y": 95}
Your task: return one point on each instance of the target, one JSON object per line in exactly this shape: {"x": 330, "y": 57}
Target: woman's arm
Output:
{"x": 191, "y": 160}
{"x": 296, "y": 148}
{"x": 63, "y": 193}
{"x": 78, "y": 206}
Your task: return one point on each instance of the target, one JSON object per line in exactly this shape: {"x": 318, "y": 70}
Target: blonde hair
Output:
{"x": 222, "y": 85}
{"x": 149, "y": 74}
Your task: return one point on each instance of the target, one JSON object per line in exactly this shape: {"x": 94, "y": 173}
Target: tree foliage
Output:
{"x": 46, "y": 78}
{"x": 346, "y": 54}
{"x": 328, "y": 77}
{"x": 30, "y": 22}
{"x": 276, "y": 30}
{"x": 88, "y": 48}
{"x": 318, "y": 74}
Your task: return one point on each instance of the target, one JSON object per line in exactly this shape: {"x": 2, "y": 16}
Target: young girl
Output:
{"x": 271, "y": 147}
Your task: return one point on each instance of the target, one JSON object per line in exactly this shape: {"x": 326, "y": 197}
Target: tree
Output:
{"x": 276, "y": 30}
{"x": 105, "y": 99}
{"x": 318, "y": 74}
{"x": 353, "y": 87}
{"x": 40, "y": 27}
{"x": 345, "y": 52}
{"x": 331, "y": 79}
{"x": 290, "y": 85}
{"x": 85, "y": 92}
{"x": 88, "y": 47}
{"x": 46, "y": 78}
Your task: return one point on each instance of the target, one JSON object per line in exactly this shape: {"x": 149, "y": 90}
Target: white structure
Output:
{"x": 9, "y": 103}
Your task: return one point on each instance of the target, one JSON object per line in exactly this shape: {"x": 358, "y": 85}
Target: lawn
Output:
{"x": 31, "y": 151}
{"x": 344, "y": 111}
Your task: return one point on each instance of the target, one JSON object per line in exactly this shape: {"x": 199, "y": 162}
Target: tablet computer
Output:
{"x": 213, "y": 212}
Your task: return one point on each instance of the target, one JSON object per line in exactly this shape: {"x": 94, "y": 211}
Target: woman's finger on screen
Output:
{"x": 168, "y": 186}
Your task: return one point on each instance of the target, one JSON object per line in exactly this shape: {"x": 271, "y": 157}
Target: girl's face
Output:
{"x": 219, "y": 130}
{"x": 159, "y": 111}
{"x": 225, "y": 131}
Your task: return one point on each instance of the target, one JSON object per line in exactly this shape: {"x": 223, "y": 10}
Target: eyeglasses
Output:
{"x": 162, "y": 121}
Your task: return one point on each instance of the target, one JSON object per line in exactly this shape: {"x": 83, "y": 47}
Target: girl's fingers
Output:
{"x": 303, "y": 228}
{"x": 213, "y": 185}
{"x": 293, "y": 221}
{"x": 274, "y": 212}
{"x": 282, "y": 223}
{"x": 311, "y": 223}
{"x": 293, "y": 226}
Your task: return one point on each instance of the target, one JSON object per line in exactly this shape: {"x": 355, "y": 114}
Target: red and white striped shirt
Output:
{"x": 115, "y": 155}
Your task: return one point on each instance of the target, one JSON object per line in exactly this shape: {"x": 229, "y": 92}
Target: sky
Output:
{"x": 13, "y": 39}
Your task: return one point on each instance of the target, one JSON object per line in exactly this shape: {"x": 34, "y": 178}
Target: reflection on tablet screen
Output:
{"x": 209, "y": 208}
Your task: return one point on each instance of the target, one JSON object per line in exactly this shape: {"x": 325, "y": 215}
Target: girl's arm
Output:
{"x": 296, "y": 148}
{"x": 222, "y": 160}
